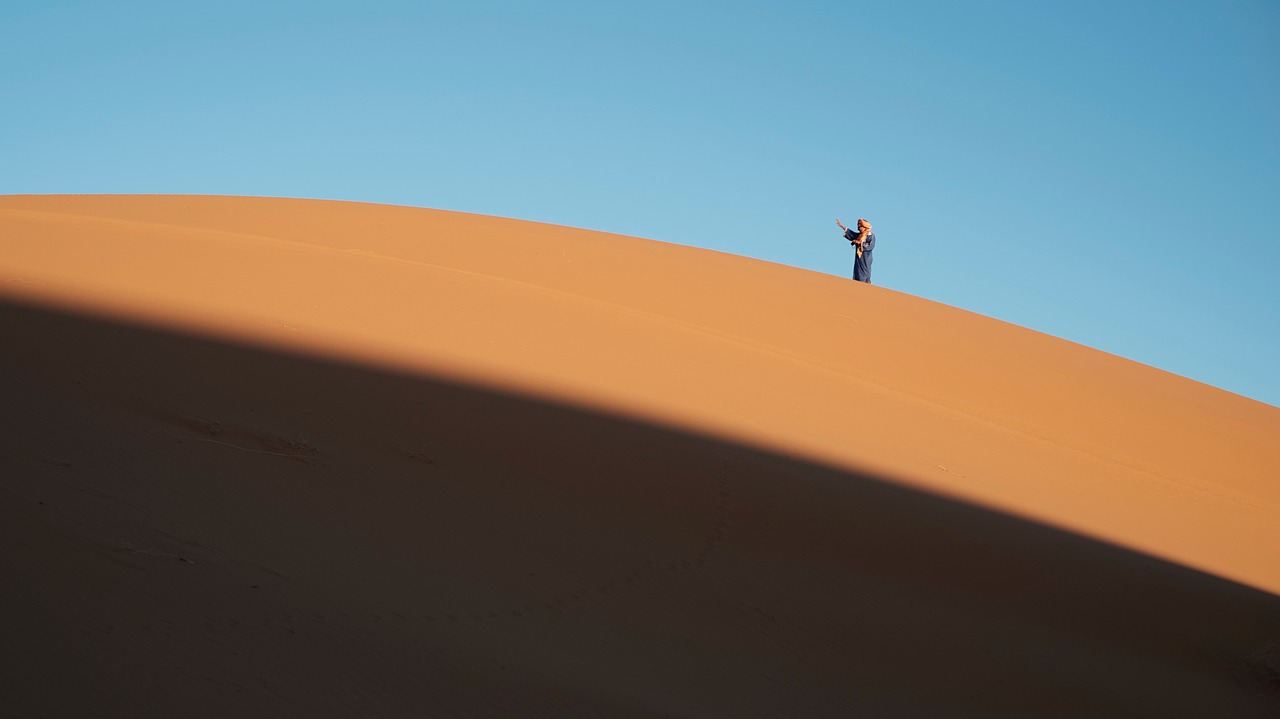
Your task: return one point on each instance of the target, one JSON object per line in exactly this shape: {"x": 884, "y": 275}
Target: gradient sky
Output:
{"x": 1099, "y": 171}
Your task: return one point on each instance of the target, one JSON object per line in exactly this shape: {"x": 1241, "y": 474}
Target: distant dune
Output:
{"x": 269, "y": 457}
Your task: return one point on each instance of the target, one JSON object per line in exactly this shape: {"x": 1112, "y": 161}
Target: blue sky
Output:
{"x": 1099, "y": 171}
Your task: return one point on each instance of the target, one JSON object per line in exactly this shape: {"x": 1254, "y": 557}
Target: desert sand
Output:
{"x": 269, "y": 457}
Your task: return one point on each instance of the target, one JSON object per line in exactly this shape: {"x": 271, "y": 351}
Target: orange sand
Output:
{"x": 275, "y": 456}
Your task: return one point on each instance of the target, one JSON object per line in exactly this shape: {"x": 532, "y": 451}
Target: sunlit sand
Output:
{"x": 296, "y": 457}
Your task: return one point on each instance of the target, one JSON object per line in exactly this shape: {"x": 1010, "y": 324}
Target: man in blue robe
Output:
{"x": 863, "y": 241}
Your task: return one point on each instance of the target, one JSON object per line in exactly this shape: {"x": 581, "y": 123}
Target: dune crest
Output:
{"x": 554, "y": 467}
{"x": 795, "y": 361}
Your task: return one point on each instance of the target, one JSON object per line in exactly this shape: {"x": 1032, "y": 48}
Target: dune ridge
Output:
{"x": 560, "y": 468}
{"x": 1085, "y": 418}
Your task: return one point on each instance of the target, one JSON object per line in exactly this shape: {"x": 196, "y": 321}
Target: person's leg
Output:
{"x": 862, "y": 272}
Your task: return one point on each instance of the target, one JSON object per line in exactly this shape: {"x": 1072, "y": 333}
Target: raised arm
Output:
{"x": 849, "y": 234}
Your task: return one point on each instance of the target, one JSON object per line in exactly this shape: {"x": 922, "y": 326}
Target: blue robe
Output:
{"x": 862, "y": 262}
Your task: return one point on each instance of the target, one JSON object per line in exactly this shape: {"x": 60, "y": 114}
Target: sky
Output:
{"x": 1098, "y": 171}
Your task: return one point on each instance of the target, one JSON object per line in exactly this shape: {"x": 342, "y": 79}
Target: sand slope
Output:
{"x": 278, "y": 456}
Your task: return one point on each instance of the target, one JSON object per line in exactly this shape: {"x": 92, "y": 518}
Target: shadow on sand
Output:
{"x": 194, "y": 527}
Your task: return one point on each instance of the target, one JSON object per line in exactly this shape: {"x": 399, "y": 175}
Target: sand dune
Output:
{"x": 270, "y": 456}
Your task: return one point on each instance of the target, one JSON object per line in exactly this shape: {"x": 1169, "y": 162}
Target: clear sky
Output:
{"x": 1099, "y": 171}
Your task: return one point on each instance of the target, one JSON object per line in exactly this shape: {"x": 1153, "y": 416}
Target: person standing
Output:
{"x": 864, "y": 242}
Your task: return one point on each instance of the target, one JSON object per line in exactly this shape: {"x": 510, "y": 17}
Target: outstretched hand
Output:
{"x": 841, "y": 225}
